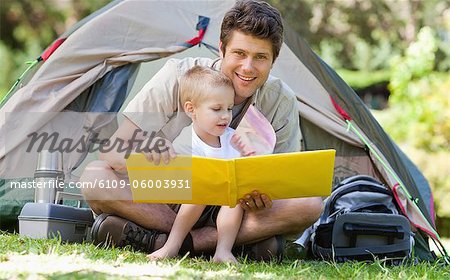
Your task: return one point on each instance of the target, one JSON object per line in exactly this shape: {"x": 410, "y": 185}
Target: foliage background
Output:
{"x": 405, "y": 43}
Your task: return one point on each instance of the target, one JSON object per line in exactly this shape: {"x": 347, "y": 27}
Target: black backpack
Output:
{"x": 361, "y": 222}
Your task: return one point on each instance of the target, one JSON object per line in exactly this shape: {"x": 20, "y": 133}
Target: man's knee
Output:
{"x": 94, "y": 171}
{"x": 308, "y": 211}
{"x": 97, "y": 165}
{"x": 314, "y": 209}
{"x": 98, "y": 188}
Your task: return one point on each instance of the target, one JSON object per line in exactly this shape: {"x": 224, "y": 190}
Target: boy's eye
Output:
{"x": 215, "y": 109}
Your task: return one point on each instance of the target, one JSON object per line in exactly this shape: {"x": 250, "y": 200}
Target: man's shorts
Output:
{"x": 208, "y": 217}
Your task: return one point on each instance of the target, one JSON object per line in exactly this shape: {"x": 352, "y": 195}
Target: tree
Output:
{"x": 27, "y": 27}
{"x": 361, "y": 35}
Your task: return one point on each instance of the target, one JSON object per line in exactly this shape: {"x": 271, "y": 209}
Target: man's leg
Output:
{"x": 122, "y": 222}
{"x": 118, "y": 201}
{"x": 289, "y": 216}
{"x": 286, "y": 217}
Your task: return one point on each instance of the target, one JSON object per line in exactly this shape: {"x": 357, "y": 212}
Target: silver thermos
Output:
{"x": 48, "y": 177}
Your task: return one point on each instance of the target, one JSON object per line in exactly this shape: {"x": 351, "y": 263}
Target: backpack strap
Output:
{"x": 344, "y": 186}
{"x": 358, "y": 178}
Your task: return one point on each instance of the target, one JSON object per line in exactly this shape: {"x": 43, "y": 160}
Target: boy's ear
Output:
{"x": 189, "y": 108}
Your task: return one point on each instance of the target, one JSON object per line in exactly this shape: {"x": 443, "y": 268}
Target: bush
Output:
{"x": 419, "y": 101}
{"x": 423, "y": 133}
{"x": 5, "y": 70}
{"x": 418, "y": 118}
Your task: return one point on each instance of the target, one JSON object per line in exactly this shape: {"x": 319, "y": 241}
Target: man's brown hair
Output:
{"x": 197, "y": 81}
{"x": 255, "y": 18}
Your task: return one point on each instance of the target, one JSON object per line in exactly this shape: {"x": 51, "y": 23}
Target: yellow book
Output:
{"x": 200, "y": 180}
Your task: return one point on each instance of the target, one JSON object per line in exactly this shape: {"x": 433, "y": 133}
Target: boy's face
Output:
{"x": 247, "y": 62}
{"x": 213, "y": 113}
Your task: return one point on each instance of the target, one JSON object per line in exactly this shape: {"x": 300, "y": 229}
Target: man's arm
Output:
{"x": 286, "y": 124}
{"x": 149, "y": 111}
{"x": 124, "y": 141}
{"x": 115, "y": 156}
{"x": 157, "y": 107}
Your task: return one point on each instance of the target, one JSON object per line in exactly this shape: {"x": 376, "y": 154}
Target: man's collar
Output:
{"x": 216, "y": 64}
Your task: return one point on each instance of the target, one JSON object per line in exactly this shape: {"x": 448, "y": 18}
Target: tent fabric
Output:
{"x": 108, "y": 94}
{"x": 121, "y": 36}
{"x": 132, "y": 32}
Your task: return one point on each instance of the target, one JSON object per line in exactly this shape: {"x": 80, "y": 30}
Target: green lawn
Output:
{"x": 25, "y": 258}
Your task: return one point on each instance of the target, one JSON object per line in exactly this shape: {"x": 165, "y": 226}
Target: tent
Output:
{"x": 99, "y": 64}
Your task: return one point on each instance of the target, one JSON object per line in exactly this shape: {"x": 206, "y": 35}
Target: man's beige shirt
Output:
{"x": 157, "y": 107}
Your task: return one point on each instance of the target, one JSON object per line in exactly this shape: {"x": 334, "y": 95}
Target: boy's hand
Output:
{"x": 244, "y": 148}
{"x": 160, "y": 149}
{"x": 255, "y": 201}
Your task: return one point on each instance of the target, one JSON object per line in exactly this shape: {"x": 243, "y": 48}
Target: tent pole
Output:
{"x": 31, "y": 65}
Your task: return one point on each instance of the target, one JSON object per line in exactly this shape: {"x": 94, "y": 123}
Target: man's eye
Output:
{"x": 240, "y": 53}
{"x": 261, "y": 57}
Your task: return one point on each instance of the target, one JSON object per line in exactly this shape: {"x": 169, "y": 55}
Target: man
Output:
{"x": 250, "y": 41}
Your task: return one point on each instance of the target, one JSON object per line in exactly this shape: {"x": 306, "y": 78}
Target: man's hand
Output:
{"x": 255, "y": 201}
{"x": 159, "y": 149}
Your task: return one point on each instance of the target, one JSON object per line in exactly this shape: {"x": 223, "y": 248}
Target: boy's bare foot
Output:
{"x": 162, "y": 253}
{"x": 224, "y": 258}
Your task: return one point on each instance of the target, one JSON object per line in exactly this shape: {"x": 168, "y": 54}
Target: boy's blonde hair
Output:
{"x": 196, "y": 82}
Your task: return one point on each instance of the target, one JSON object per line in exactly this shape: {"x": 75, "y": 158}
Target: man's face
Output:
{"x": 247, "y": 62}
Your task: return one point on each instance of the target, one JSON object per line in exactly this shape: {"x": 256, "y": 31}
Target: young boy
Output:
{"x": 208, "y": 98}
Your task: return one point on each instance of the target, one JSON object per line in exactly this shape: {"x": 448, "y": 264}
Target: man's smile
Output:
{"x": 245, "y": 78}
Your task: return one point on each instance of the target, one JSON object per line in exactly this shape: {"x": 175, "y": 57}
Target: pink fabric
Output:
{"x": 256, "y": 132}
{"x": 341, "y": 111}
{"x": 403, "y": 203}
{"x": 432, "y": 213}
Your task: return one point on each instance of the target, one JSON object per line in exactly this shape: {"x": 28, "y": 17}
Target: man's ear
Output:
{"x": 189, "y": 109}
{"x": 220, "y": 49}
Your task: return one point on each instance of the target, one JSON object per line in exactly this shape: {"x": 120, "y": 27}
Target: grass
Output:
{"x": 26, "y": 258}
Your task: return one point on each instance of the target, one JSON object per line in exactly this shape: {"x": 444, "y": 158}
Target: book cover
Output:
{"x": 200, "y": 180}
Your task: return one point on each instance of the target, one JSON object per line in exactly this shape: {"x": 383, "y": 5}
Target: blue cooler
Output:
{"x": 48, "y": 220}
